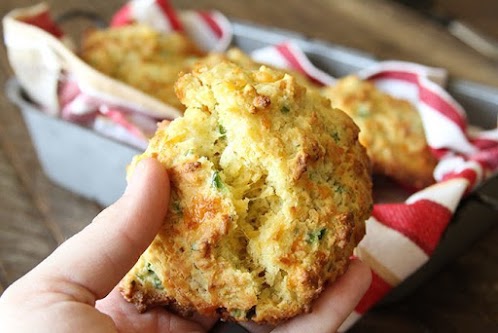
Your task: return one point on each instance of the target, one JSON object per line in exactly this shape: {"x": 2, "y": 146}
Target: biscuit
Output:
{"x": 270, "y": 190}
{"x": 390, "y": 128}
{"x": 141, "y": 57}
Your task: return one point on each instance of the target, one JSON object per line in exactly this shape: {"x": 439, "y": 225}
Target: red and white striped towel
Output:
{"x": 400, "y": 237}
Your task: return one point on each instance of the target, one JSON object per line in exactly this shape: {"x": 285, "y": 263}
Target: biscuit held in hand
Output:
{"x": 270, "y": 191}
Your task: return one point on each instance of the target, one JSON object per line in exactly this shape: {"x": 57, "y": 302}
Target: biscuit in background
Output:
{"x": 142, "y": 57}
{"x": 390, "y": 128}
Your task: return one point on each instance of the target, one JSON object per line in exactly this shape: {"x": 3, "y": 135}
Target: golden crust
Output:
{"x": 391, "y": 131}
{"x": 270, "y": 191}
{"x": 141, "y": 57}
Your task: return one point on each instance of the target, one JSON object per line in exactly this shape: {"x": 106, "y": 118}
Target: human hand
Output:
{"x": 74, "y": 288}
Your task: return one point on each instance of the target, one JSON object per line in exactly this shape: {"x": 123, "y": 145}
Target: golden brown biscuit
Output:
{"x": 270, "y": 191}
{"x": 141, "y": 57}
{"x": 390, "y": 128}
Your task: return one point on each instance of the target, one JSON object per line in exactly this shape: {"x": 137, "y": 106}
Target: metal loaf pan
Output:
{"x": 94, "y": 166}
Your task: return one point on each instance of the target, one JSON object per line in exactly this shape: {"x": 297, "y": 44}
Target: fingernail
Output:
{"x": 136, "y": 175}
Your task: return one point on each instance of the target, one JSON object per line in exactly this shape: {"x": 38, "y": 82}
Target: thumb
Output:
{"x": 102, "y": 253}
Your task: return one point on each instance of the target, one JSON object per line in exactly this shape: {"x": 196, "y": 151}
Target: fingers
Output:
{"x": 335, "y": 303}
{"x": 101, "y": 254}
{"x": 158, "y": 319}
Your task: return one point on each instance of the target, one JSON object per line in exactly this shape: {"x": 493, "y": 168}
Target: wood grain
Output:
{"x": 36, "y": 215}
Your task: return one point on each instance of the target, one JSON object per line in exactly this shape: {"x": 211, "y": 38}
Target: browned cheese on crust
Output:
{"x": 390, "y": 128}
{"x": 270, "y": 192}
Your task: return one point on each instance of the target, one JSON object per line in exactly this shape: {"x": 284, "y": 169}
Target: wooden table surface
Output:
{"x": 36, "y": 215}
